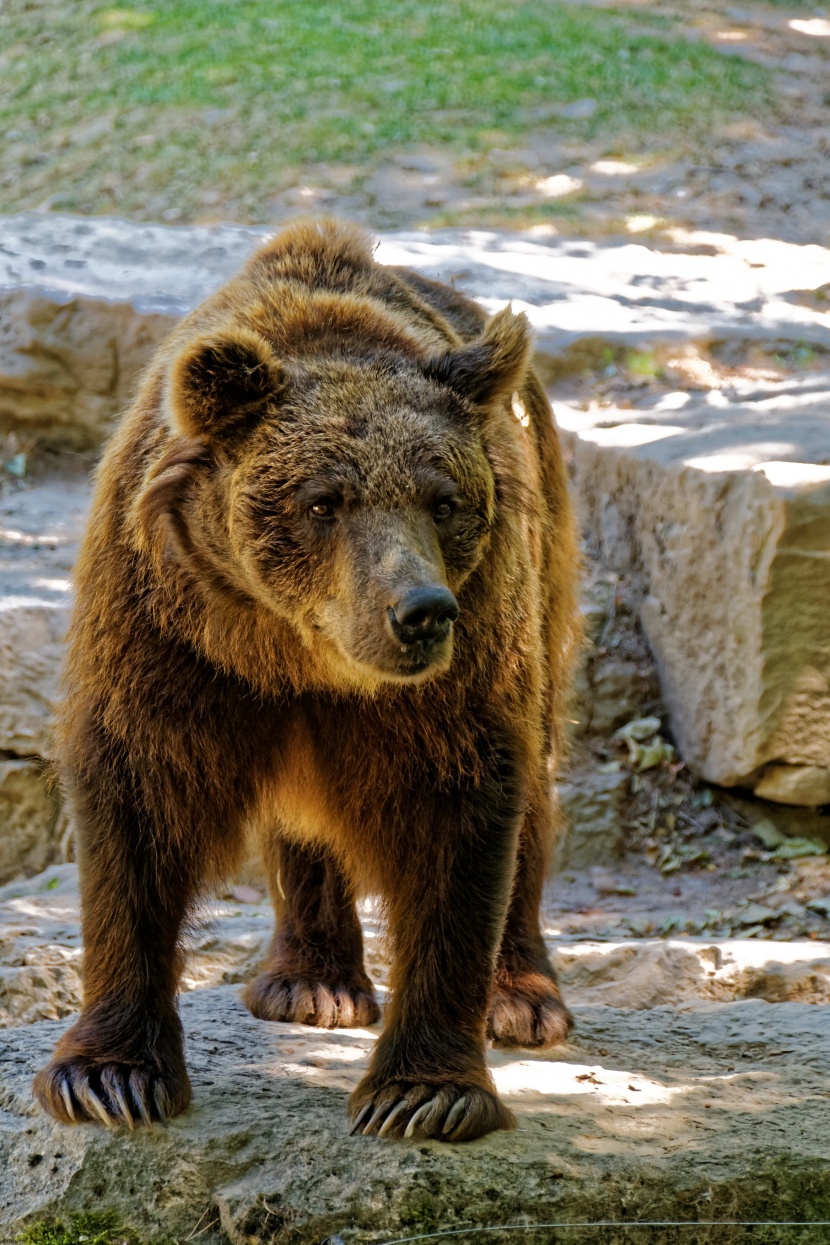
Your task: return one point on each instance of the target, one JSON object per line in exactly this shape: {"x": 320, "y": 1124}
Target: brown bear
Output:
{"x": 326, "y": 596}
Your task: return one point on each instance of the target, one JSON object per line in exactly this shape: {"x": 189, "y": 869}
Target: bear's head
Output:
{"x": 351, "y": 495}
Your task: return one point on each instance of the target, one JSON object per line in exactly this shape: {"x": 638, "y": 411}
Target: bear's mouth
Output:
{"x": 414, "y": 662}
{"x": 409, "y": 663}
{"x": 418, "y": 666}
{"x": 370, "y": 656}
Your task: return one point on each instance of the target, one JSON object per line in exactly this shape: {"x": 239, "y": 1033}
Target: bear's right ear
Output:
{"x": 490, "y": 367}
{"x": 221, "y": 383}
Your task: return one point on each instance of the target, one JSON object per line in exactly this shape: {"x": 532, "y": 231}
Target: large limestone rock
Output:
{"x": 699, "y": 1113}
{"x": 795, "y": 784}
{"x": 29, "y": 808}
{"x": 84, "y": 300}
{"x": 84, "y": 303}
{"x": 722, "y": 507}
{"x": 39, "y": 532}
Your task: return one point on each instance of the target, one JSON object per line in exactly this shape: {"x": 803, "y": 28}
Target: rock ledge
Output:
{"x": 691, "y": 1115}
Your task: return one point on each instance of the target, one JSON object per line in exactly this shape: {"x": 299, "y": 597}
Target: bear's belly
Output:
{"x": 299, "y": 798}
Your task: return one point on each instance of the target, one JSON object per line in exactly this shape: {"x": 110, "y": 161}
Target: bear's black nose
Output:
{"x": 423, "y": 614}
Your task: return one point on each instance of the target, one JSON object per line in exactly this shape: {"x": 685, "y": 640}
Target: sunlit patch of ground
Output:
{"x": 411, "y": 114}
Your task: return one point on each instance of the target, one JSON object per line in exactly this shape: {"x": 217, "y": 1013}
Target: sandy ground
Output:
{"x": 761, "y": 179}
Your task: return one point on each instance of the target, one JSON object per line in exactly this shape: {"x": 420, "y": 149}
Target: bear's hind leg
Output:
{"x": 314, "y": 974}
{"x": 526, "y": 1007}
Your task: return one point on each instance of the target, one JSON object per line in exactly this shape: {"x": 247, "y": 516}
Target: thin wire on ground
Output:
{"x": 608, "y": 1223}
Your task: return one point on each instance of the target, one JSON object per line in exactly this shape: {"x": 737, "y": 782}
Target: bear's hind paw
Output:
{"x": 528, "y": 1014}
{"x": 306, "y": 1002}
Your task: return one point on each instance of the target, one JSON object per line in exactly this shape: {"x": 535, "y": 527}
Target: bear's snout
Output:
{"x": 424, "y": 614}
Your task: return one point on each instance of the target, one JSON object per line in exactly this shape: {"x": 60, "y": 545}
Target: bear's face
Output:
{"x": 357, "y": 509}
{"x": 350, "y": 494}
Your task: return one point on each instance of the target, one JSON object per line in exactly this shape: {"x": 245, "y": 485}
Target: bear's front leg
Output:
{"x": 142, "y": 852}
{"x": 428, "y": 1076}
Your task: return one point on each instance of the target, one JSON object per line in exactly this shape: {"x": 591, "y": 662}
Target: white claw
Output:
{"x": 454, "y": 1115}
{"x": 391, "y": 1117}
{"x": 422, "y": 1110}
{"x": 161, "y": 1103}
{"x": 137, "y": 1090}
{"x": 360, "y": 1118}
{"x": 98, "y": 1107}
{"x": 66, "y": 1095}
{"x": 118, "y": 1095}
{"x": 373, "y": 1121}
{"x": 146, "y": 1117}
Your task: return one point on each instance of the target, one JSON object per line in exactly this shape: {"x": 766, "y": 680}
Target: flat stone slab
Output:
{"x": 573, "y": 287}
{"x": 702, "y": 1114}
{"x": 85, "y": 300}
{"x": 155, "y": 268}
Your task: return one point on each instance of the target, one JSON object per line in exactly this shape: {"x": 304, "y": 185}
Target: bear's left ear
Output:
{"x": 492, "y": 366}
{"x": 221, "y": 383}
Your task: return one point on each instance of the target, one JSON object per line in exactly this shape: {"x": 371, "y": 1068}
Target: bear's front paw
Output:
{"x": 453, "y": 1112}
{"x": 527, "y": 1010}
{"x": 114, "y": 1094}
{"x": 303, "y": 1001}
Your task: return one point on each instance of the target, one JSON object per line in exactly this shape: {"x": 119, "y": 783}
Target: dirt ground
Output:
{"x": 765, "y": 178}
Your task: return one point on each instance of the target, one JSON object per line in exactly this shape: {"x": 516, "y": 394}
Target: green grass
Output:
{"x": 85, "y": 1229}
{"x": 189, "y": 106}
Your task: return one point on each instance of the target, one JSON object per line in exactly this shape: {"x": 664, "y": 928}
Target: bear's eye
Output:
{"x": 322, "y": 510}
{"x": 442, "y": 511}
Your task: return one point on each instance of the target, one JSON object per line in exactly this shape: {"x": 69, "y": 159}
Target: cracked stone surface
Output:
{"x": 701, "y": 1111}
{"x": 720, "y": 505}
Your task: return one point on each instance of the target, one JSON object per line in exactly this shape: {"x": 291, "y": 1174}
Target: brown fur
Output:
{"x": 321, "y": 438}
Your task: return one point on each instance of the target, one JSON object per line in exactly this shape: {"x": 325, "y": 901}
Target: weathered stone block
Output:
{"x": 67, "y": 367}
{"x": 31, "y": 647}
{"x": 264, "y": 1154}
{"x": 83, "y": 305}
{"x": 730, "y": 540}
{"x": 28, "y": 819}
{"x": 592, "y": 806}
{"x": 807, "y": 785}
{"x": 39, "y": 532}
